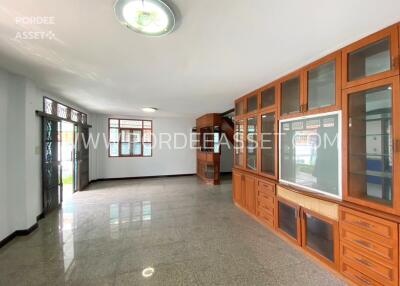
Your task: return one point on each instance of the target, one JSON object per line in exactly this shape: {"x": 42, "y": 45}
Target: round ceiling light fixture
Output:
{"x": 149, "y": 109}
{"x": 148, "y": 17}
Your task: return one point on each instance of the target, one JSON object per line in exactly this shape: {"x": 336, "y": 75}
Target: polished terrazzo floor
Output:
{"x": 188, "y": 233}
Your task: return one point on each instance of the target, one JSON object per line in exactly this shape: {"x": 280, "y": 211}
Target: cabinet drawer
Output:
{"x": 266, "y": 200}
{"x": 265, "y": 217}
{"x": 385, "y": 252}
{"x": 369, "y": 223}
{"x": 358, "y": 277}
{"x": 266, "y": 188}
{"x": 381, "y": 272}
{"x": 269, "y": 210}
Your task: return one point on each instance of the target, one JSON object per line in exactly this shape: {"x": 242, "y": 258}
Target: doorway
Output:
{"x": 67, "y": 159}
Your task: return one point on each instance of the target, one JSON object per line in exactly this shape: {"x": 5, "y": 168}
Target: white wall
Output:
{"x": 20, "y": 152}
{"x": 165, "y": 161}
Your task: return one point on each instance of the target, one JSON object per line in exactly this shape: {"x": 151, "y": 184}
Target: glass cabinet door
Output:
{"x": 268, "y": 97}
{"x": 268, "y": 143}
{"x": 239, "y": 143}
{"x": 372, "y": 58}
{"x": 321, "y": 86}
{"x": 288, "y": 220}
{"x": 252, "y": 103}
{"x": 319, "y": 236}
{"x": 251, "y": 145}
{"x": 290, "y": 96}
{"x": 370, "y": 143}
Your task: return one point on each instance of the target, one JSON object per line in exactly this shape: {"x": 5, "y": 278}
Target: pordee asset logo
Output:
{"x": 35, "y": 33}
{"x": 49, "y": 35}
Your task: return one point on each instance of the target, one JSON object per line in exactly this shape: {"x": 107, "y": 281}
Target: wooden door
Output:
{"x": 250, "y": 187}
{"x": 51, "y": 164}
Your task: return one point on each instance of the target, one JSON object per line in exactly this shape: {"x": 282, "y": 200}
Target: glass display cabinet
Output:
{"x": 252, "y": 103}
{"x": 268, "y": 144}
{"x": 372, "y": 58}
{"x": 239, "y": 143}
{"x": 268, "y": 97}
{"x": 372, "y": 144}
{"x": 290, "y": 96}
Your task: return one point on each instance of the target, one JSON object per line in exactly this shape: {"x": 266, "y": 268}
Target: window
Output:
{"x": 62, "y": 111}
{"x": 130, "y": 138}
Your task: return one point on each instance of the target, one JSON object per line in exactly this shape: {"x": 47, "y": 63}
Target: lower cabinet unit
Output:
{"x": 363, "y": 248}
{"x": 369, "y": 248}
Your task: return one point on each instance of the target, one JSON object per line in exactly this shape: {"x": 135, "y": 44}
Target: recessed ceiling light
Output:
{"x": 149, "y": 109}
{"x": 149, "y": 17}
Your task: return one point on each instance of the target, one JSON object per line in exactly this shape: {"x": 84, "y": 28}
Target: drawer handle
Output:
{"x": 363, "y": 243}
{"x": 363, "y": 224}
{"x": 364, "y": 280}
{"x": 363, "y": 261}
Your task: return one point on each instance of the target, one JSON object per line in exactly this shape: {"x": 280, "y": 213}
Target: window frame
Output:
{"x": 142, "y": 130}
{"x": 81, "y": 116}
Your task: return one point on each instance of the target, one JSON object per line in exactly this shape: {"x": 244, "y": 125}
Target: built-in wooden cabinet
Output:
{"x": 355, "y": 232}
{"x": 369, "y": 248}
{"x": 239, "y": 143}
{"x": 371, "y": 145}
{"x": 372, "y": 58}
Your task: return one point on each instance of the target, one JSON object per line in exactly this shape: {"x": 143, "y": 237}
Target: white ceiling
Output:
{"x": 221, "y": 49}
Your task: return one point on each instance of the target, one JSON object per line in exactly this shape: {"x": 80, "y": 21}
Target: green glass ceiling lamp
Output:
{"x": 148, "y": 17}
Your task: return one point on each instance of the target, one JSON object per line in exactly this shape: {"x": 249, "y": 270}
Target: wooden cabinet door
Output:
{"x": 372, "y": 58}
{"x": 250, "y": 186}
{"x": 288, "y": 220}
{"x": 371, "y": 146}
{"x": 290, "y": 95}
{"x": 237, "y": 187}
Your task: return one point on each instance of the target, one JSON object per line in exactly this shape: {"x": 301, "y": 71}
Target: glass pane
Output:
{"x": 252, "y": 143}
{"x": 114, "y": 123}
{"x": 322, "y": 86}
{"x": 62, "y": 111}
{"x": 216, "y": 142}
{"x": 268, "y": 97}
{"x": 307, "y": 145}
{"x": 288, "y": 219}
{"x": 370, "y": 145}
{"x": 83, "y": 118}
{"x": 290, "y": 96}
{"x": 147, "y": 136}
{"x": 137, "y": 149}
{"x": 320, "y": 236}
{"x": 114, "y": 135}
{"x": 114, "y": 148}
{"x": 147, "y": 149}
{"x": 136, "y": 136}
{"x": 74, "y": 115}
{"x": 268, "y": 143}
{"x": 239, "y": 108}
{"x": 370, "y": 60}
{"x": 48, "y": 106}
{"x": 147, "y": 124}
{"x": 125, "y": 136}
{"x": 125, "y": 149}
{"x": 131, "y": 123}
{"x": 239, "y": 130}
{"x": 252, "y": 103}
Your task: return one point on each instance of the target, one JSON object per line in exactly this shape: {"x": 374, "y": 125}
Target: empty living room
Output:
{"x": 172, "y": 142}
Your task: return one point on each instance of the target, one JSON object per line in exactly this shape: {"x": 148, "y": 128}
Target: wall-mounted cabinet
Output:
{"x": 372, "y": 58}
{"x": 268, "y": 97}
{"x": 252, "y": 103}
{"x": 290, "y": 95}
{"x": 371, "y": 145}
{"x": 239, "y": 107}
